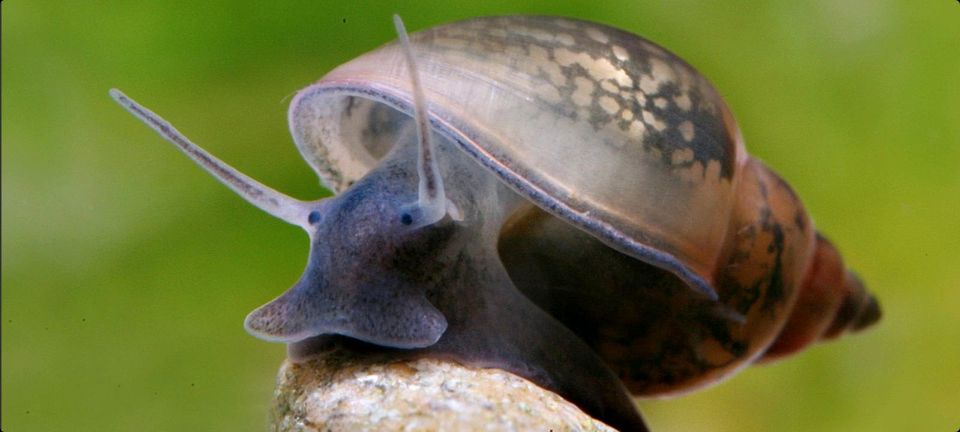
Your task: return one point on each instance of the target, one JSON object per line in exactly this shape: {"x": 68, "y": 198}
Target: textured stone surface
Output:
{"x": 341, "y": 391}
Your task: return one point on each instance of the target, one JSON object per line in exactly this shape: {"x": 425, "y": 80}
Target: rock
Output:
{"x": 343, "y": 391}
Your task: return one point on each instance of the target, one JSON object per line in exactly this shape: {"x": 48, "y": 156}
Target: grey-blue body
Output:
{"x": 439, "y": 291}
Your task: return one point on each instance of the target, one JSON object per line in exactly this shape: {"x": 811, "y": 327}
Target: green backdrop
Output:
{"x": 127, "y": 271}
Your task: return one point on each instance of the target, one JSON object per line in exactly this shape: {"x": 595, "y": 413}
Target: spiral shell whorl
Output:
{"x": 832, "y": 301}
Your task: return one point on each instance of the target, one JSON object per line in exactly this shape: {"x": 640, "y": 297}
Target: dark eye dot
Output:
{"x": 313, "y": 217}
{"x": 406, "y": 219}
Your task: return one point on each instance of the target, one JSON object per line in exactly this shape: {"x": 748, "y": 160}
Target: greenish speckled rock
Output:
{"x": 340, "y": 391}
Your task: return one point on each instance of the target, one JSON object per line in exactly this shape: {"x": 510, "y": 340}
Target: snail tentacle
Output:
{"x": 289, "y": 209}
{"x": 432, "y": 203}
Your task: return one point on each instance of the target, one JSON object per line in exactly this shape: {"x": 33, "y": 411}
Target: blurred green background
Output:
{"x": 127, "y": 271}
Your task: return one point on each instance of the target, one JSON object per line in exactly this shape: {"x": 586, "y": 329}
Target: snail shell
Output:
{"x": 570, "y": 202}
{"x": 615, "y": 136}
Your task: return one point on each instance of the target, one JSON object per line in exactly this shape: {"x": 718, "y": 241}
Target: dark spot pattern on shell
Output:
{"x": 608, "y": 78}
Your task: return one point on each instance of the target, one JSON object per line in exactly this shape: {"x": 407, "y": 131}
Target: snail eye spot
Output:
{"x": 313, "y": 217}
{"x": 406, "y": 219}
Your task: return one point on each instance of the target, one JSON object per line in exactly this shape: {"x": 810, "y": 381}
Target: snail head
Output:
{"x": 364, "y": 278}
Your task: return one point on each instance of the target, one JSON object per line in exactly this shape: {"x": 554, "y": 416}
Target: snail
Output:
{"x": 557, "y": 198}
